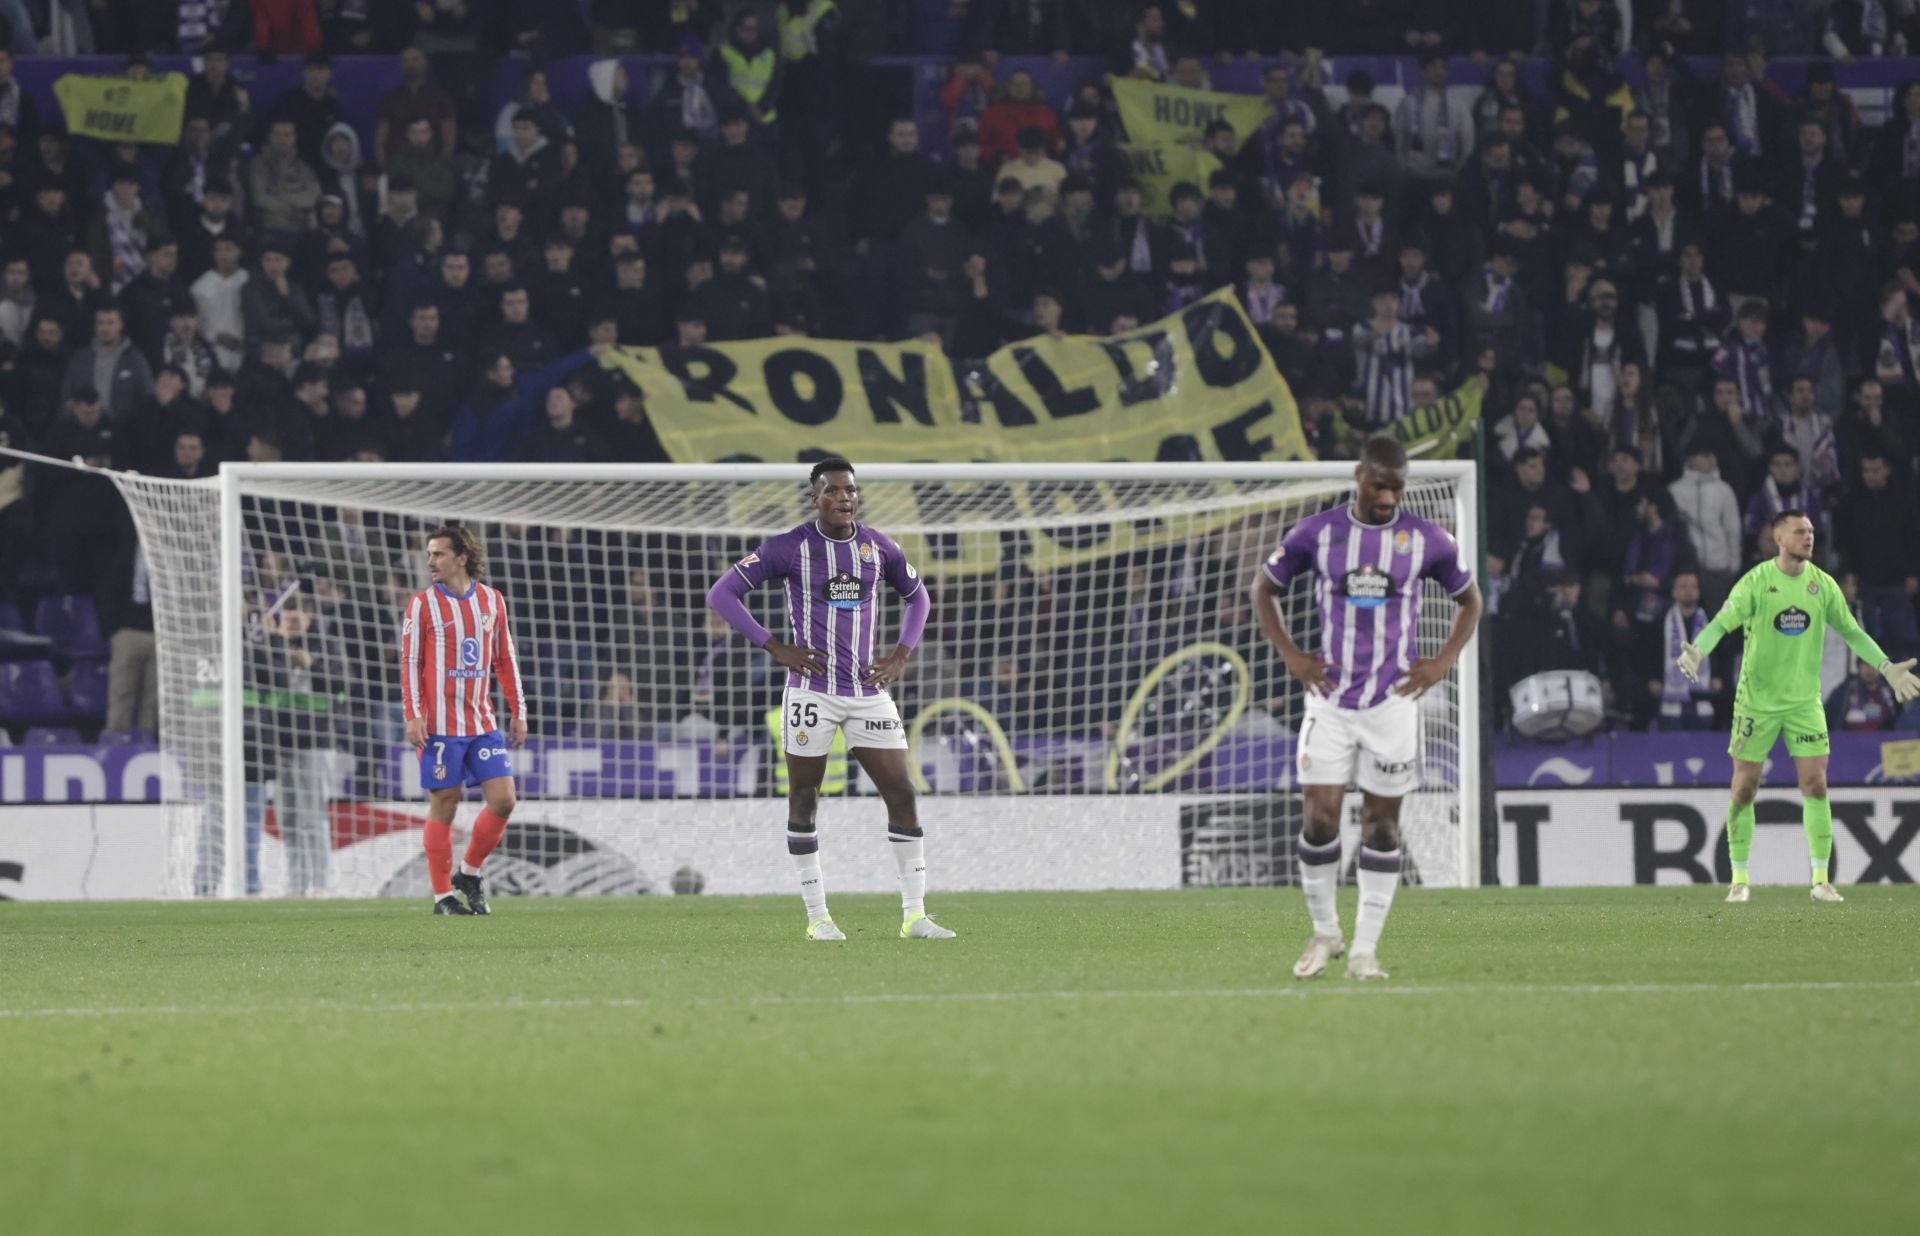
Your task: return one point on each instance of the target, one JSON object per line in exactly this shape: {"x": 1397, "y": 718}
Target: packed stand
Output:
{"x": 1686, "y": 290}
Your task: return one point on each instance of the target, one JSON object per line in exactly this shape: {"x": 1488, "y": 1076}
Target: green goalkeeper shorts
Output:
{"x": 1804, "y": 728}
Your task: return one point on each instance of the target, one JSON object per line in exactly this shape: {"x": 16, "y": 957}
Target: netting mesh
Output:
{"x": 1088, "y": 639}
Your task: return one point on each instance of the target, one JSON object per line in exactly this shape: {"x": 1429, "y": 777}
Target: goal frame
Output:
{"x": 233, "y": 478}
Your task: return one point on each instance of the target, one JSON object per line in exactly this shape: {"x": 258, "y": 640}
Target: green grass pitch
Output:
{"x": 1629, "y": 1061}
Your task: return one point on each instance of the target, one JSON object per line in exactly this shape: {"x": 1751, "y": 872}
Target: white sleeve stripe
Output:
{"x": 410, "y": 660}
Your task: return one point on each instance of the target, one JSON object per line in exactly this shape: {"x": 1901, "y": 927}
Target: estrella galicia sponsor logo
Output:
{"x": 1792, "y": 621}
{"x": 883, "y": 726}
{"x": 845, "y": 592}
{"x": 1367, "y": 588}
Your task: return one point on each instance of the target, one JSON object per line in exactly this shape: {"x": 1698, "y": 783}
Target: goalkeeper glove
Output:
{"x": 1899, "y": 676}
{"x": 1689, "y": 662}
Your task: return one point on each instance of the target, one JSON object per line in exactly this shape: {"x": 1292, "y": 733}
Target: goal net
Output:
{"x": 1092, "y": 705}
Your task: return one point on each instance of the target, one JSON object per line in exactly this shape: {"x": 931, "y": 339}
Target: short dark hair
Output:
{"x": 1792, "y": 512}
{"x": 833, "y": 463}
{"x": 465, "y": 543}
{"x": 1383, "y": 450}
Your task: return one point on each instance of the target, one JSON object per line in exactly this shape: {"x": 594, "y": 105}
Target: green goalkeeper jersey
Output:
{"x": 1784, "y": 619}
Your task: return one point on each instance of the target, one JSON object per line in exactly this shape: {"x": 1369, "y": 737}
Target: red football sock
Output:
{"x": 486, "y": 834}
{"x": 438, "y": 841}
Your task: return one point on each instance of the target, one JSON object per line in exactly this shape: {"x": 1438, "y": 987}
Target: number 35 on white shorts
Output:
{"x": 810, "y": 717}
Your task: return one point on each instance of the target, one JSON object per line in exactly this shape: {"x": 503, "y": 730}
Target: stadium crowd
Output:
{"x": 1688, "y": 292}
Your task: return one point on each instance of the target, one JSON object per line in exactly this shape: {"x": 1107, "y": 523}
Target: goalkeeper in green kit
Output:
{"x": 1783, "y": 607}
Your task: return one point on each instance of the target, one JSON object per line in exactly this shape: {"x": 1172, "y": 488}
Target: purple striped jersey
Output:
{"x": 831, "y": 603}
{"x": 1366, "y": 583}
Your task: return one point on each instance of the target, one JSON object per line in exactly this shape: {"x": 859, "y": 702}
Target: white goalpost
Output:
{"x": 1092, "y": 705}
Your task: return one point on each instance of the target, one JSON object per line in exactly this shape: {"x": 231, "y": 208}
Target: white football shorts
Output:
{"x": 810, "y": 717}
{"x": 1375, "y": 749}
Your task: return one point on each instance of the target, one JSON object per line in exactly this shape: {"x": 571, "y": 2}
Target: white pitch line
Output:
{"x": 1314, "y": 991}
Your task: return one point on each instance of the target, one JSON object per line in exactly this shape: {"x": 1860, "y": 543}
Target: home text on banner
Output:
{"x": 1152, "y": 112}
{"x": 1165, "y": 126}
{"x": 119, "y": 109}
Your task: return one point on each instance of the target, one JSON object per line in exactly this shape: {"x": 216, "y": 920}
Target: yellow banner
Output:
{"x": 1439, "y": 430}
{"x": 1900, "y": 758}
{"x": 1197, "y": 384}
{"x": 119, "y": 109}
{"x": 1152, "y": 112}
{"x": 1165, "y": 126}
{"x": 1159, "y": 166}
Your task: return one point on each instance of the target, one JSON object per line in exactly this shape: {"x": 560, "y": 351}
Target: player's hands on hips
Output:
{"x": 809, "y": 661}
{"x": 1689, "y": 662}
{"x": 1310, "y": 670}
{"x": 417, "y": 733}
{"x": 517, "y": 732}
{"x": 887, "y": 669}
{"x": 1899, "y": 676}
{"x": 1421, "y": 677}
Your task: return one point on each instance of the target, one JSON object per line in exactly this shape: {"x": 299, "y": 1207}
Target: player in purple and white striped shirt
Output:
{"x": 1362, "y": 724}
{"x": 832, "y": 569}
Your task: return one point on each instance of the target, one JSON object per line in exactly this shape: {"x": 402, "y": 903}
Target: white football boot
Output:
{"x": 1364, "y": 966}
{"x": 1320, "y": 951}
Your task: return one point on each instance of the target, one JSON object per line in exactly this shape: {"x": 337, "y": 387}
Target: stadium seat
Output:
{"x": 73, "y": 624}
{"x": 10, "y": 617}
{"x": 30, "y": 693}
{"x": 87, "y": 689}
{"x": 128, "y": 738}
{"x": 51, "y": 736}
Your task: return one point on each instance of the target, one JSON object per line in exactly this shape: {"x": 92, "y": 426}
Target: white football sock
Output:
{"x": 910, "y": 855}
{"x": 1379, "y": 876}
{"x": 1319, "y": 878}
{"x": 467, "y": 868}
{"x": 805, "y": 848}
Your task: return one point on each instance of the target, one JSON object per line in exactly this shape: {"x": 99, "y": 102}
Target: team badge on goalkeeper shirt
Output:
{"x": 1813, "y": 587}
{"x": 844, "y": 591}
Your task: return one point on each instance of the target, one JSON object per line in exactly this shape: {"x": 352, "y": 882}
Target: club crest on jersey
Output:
{"x": 845, "y": 592}
{"x": 866, "y": 551}
{"x": 1367, "y": 588}
{"x": 1402, "y": 543}
{"x": 486, "y": 623}
{"x": 1792, "y": 621}
{"x": 800, "y": 738}
{"x": 1813, "y": 588}
{"x": 439, "y": 772}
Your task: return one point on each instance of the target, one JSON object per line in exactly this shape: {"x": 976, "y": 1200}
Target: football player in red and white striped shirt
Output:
{"x": 453, "y": 642}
